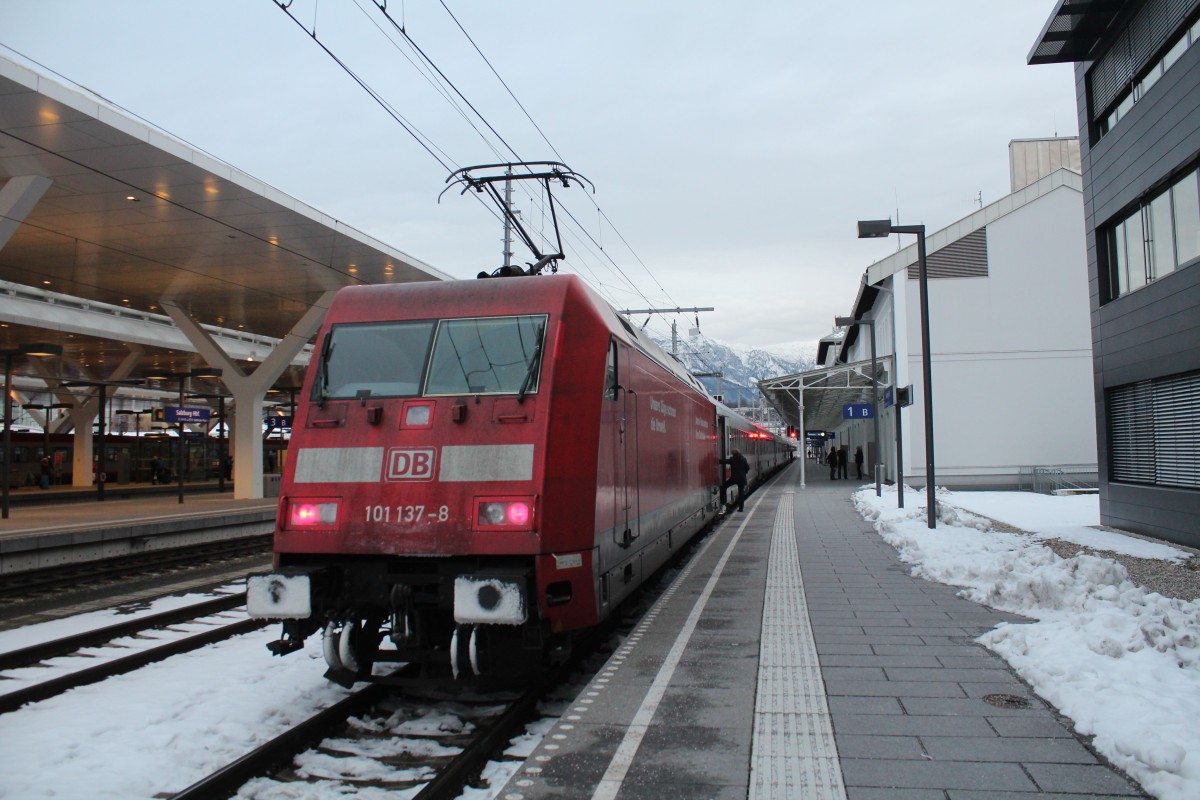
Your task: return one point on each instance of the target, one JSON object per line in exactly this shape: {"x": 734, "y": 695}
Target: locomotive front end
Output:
{"x": 409, "y": 521}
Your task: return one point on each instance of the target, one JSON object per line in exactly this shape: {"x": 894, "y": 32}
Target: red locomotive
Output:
{"x": 480, "y": 469}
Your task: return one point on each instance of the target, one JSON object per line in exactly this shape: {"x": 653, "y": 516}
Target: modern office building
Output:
{"x": 1137, "y": 78}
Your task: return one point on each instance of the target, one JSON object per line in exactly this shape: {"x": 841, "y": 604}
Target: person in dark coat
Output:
{"x": 833, "y": 463}
{"x": 739, "y": 472}
{"x": 858, "y": 461}
{"x": 843, "y": 464}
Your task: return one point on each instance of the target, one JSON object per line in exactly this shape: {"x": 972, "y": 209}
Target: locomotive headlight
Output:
{"x": 505, "y": 514}
{"x": 491, "y": 513}
{"x": 418, "y": 415}
{"x": 312, "y": 514}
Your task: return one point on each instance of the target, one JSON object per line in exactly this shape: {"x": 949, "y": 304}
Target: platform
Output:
{"x": 49, "y": 534}
{"x": 796, "y": 657}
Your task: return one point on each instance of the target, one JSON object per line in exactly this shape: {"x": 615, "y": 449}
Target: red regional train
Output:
{"x": 479, "y": 470}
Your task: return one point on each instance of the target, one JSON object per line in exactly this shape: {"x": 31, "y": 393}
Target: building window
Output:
{"x": 1160, "y": 236}
{"x": 1154, "y": 432}
{"x": 1125, "y": 101}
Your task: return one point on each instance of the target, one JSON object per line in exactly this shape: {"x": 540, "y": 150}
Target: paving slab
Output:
{"x": 797, "y": 657}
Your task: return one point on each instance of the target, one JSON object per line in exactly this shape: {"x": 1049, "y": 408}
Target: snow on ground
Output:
{"x": 163, "y": 727}
{"x": 160, "y": 729}
{"x": 1121, "y": 662}
{"x": 1070, "y": 518}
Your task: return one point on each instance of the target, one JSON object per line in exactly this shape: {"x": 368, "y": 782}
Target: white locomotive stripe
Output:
{"x": 486, "y": 462}
{"x": 339, "y": 465}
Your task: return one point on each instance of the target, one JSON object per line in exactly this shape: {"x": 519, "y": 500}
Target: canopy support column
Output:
{"x": 249, "y": 390}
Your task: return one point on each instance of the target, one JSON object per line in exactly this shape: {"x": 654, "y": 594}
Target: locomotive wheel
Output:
{"x": 347, "y": 642}
{"x": 329, "y": 646}
{"x": 462, "y": 651}
{"x": 356, "y": 644}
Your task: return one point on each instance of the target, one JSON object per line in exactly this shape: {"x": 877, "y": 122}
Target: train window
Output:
{"x": 487, "y": 355}
{"x": 610, "y": 372}
{"x": 378, "y": 359}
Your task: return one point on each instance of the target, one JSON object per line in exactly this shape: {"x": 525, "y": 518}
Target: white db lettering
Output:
{"x": 410, "y": 465}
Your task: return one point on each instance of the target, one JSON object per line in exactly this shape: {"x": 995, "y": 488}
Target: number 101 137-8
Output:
{"x": 406, "y": 514}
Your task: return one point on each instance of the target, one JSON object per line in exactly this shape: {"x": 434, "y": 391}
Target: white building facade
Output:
{"x": 1010, "y": 344}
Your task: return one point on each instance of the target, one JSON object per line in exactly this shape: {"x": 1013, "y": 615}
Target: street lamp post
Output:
{"x": 847, "y": 322}
{"x": 207, "y": 372}
{"x": 38, "y": 349}
{"x": 879, "y": 229}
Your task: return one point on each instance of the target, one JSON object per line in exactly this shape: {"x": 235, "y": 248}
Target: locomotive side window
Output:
{"x": 487, "y": 355}
{"x": 381, "y": 358}
{"x": 610, "y": 372}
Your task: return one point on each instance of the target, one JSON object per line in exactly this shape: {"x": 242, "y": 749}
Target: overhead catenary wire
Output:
{"x": 436, "y": 79}
{"x": 420, "y": 138}
{"x": 553, "y": 149}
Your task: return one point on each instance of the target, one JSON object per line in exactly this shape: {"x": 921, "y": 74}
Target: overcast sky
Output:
{"x": 732, "y": 145}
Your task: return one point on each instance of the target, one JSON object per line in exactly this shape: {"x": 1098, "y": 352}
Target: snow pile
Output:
{"x": 1121, "y": 662}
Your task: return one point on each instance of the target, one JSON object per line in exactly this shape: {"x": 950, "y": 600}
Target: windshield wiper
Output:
{"x": 533, "y": 364}
{"x": 320, "y": 388}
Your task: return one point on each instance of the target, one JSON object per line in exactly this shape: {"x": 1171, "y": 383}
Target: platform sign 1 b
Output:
{"x": 186, "y": 416}
{"x": 858, "y": 411}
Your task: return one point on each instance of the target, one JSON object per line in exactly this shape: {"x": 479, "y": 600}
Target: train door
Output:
{"x": 625, "y": 461}
{"x": 722, "y": 454}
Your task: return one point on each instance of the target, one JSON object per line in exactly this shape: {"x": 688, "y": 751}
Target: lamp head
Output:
{"x": 874, "y": 228}
{"x": 41, "y": 349}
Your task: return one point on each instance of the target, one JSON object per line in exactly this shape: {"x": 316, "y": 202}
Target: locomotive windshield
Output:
{"x": 379, "y": 358}
{"x": 483, "y": 355}
{"x": 486, "y": 355}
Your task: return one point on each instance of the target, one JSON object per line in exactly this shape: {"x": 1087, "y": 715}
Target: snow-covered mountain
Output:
{"x": 741, "y": 367}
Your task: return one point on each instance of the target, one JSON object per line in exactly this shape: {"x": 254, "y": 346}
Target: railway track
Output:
{"x": 24, "y": 586}
{"x": 30, "y": 657}
{"x": 433, "y": 746}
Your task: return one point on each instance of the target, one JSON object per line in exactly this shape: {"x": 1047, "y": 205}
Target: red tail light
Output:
{"x": 504, "y": 514}
{"x": 312, "y": 514}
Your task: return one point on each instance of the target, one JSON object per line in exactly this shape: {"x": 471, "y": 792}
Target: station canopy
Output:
{"x": 104, "y": 218}
{"x": 826, "y": 392}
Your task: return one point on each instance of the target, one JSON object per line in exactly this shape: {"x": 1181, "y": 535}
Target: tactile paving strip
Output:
{"x": 794, "y": 754}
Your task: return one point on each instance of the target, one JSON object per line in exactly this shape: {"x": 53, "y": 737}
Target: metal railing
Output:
{"x": 1061, "y": 479}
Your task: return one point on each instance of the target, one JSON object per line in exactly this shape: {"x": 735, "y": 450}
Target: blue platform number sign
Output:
{"x": 187, "y": 416}
{"x": 858, "y": 411}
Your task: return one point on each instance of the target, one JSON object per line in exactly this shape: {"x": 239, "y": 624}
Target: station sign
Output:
{"x": 277, "y": 422}
{"x": 858, "y": 411}
{"x": 186, "y": 416}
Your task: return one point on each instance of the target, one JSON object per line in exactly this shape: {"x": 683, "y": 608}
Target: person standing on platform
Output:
{"x": 858, "y": 461}
{"x": 844, "y": 464}
{"x": 47, "y": 467}
{"x": 739, "y": 471}
{"x": 833, "y": 462}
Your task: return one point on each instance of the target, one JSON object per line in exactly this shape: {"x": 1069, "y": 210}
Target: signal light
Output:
{"x": 311, "y": 514}
{"x": 512, "y": 514}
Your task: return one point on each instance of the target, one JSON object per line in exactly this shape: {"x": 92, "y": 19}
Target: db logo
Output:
{"x": 410, "y": 465}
